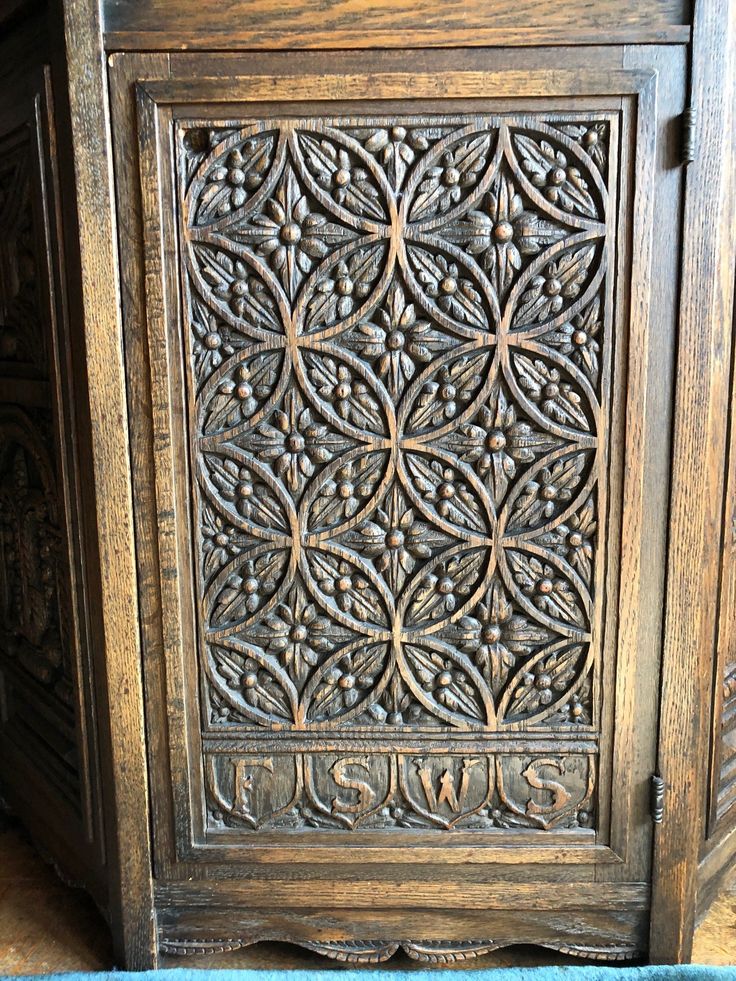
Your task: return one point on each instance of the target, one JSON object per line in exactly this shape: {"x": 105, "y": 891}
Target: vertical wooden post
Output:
{"x": 697, "y": 484}
{"x": 121, "y": 722}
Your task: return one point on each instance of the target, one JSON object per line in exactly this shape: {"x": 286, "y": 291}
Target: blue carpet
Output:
{"x": 583, "y": 973}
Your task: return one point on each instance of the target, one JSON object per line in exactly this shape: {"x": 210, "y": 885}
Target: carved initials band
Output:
{"x": 384, "y": 790}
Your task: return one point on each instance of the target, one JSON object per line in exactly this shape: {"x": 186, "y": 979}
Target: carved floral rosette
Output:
{"x": 398, "y": 357}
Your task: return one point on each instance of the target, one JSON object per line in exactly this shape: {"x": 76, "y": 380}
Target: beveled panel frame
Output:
{"x": 470, "y": 84}
{"x": 621, "y": 854}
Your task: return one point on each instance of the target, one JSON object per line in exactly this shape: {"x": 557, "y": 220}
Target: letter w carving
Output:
{"x": 447, "y": 793}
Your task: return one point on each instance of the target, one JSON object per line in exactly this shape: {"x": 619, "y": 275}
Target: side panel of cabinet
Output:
{"x": 400, "y": 412}
{"x": 698, "y": 572}
{"x": 47, "y": 741}
{"x": 722, "y": 817}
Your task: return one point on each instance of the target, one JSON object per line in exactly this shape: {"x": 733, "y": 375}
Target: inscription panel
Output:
{"x": 398, "y": 343}
{"x": 333, "y": 790}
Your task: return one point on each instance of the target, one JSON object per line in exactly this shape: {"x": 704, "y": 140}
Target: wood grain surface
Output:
{"x": 163, "y": 24}
{"x": 47, "y": 926}
{"x": 391, "y": 348}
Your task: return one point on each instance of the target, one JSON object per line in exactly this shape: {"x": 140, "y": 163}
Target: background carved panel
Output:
{"x": 398, "y": 336}
{"x": 22, "y": 337}
{"x": 37, "y": 674}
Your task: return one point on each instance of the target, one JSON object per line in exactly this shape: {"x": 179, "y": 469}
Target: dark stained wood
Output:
{"x": 453, "y": 266}
{"x": 208, "y": 203}
{"x": 48, "y": 749}
{"x": 126, "y": 792}
{"x": 722, "y": 813}
{"x": 260, "y": 24}
{"x": 46, "y": 926}
{"x": 697, "y": 485}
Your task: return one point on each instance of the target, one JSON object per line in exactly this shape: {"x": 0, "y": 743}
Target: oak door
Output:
{"x": 409, "y": 339}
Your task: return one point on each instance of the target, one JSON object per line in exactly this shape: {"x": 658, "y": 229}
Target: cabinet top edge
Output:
{"x": 243, "y": 40}
{"x": 310, "y": 24}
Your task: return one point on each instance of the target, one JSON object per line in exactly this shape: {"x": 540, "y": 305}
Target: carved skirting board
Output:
{"x": 378, "y": 951}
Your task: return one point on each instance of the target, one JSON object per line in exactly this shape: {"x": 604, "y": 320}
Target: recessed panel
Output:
{"x": 398, "y": 339}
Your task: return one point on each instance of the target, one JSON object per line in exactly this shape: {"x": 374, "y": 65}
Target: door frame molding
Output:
{"x": 699, "y": 441}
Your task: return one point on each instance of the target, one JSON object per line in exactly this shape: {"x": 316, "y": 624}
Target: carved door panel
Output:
{"x": 43, "y": 740}
{"x": 399, "y": 349}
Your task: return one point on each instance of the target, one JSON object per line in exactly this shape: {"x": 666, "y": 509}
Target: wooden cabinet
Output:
{"x": 383, "y": 403}
{"x": 47, "y": 714}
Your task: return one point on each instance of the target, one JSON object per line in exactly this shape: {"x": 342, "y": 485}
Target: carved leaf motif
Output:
{"x": 257, "y": 683}
{"x": 456, "y": 172}
{"x": 233, "y": 178}
{"x": 556, "y": 176}
{"x": 246, "y": 492}
{"x": 343, "y": 586}
{"x": 577, "y": 339}
{"x": 495, "y": 636}
{"x": 221, "y": 542}
{"x": 544, "y": 682}
{"x": 236, "y": 289}
{"x": 343, "y": 176}
{"x": 550, "y": 592}
{"x": 341, "y": 387}
{"x": 346, "y": 491}
{"x": 548, "y": 493}
{"x": 575, "y": 540}
{"x": 447, "y": 391}
{"x": 397, "y": 341}
{"x": 444, "y": 286}
{"x": 498, "y": 444}
{"x": 559, "y": 400}
{"x": 398, "y": 147}
{"x": 294, "y": 442}
{"x": 251, "y": 583}
{"x": 447, "y": 585}
{"x": 291, "y": 234}
{"x": 592, "y": 137}
{"x": 298, "y": 636}
{"x": 395, "y": 540}
{"x": 346, "y": 683}
{"x": 343, "y": 288}
{"x": 213, "y": 340}
{"x": 449, "y": 682}
{"x": 242, "y": 392}
{"x": 444, "y": 491}
{"x": 576, "y": 710}
{"x": 552, "y": 289}
{"x": 502, "y": 232}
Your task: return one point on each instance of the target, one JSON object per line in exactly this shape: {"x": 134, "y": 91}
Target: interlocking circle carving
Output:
{"x": 397, "y": 350}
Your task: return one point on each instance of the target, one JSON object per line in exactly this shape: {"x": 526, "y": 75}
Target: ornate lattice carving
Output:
{"x": 397, "y": 350}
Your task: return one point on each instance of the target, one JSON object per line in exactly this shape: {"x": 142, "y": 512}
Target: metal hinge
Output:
{"x": 657, "y": 801}
{"x": 689, "y": 135}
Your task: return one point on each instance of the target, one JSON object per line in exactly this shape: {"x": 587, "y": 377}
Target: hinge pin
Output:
{"x": 657, "y": 799}
{"x": 689, "y": 136}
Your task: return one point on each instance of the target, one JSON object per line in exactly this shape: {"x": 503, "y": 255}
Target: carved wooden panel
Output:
{"x": 22, "y": 337}
{"x": 37, "y": 676}
{"x": 398, "y": 344}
